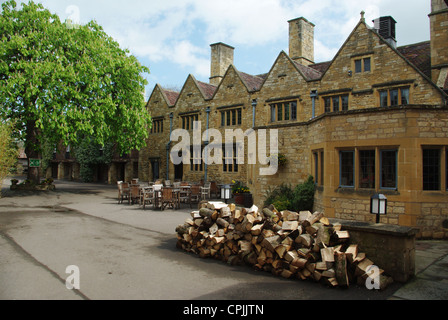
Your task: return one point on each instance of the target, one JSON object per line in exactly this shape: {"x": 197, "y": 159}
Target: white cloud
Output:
{"x": 179, "y": 31}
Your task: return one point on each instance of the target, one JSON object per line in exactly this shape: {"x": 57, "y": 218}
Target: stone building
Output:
{"x": 372, "y": 120}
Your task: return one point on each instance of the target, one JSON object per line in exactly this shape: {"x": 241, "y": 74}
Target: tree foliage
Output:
{"x": 64, "y": 83}
{"x": 8, "y": 151}
{"x": 90, "y": 154}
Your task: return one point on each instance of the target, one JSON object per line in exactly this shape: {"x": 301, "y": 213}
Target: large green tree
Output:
{"x": 66, "y": 82}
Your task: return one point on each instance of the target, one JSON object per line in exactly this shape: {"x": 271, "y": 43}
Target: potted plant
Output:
{"x": 281, "y": 159}
{"x": 242, "y": 194}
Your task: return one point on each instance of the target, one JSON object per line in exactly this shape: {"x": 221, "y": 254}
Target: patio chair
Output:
{"x": 184, "y": 195}
{"x": 147, "y": 196}
{"x": 169, "y": 198}
{"x": 205, "y": 191}
{"x": 157, "y": 189}
{"x": 134, "y": 194}
{"x": 123, "y": 191}
{"x": 195, "y": 194}
{"x": 168, "y": 183}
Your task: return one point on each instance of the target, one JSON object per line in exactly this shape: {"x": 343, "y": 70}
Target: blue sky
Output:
{"x": 173, "y": 37}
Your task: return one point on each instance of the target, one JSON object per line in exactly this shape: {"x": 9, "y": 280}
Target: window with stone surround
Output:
{"x": 157, "y": 126}
{"x": 367, "y": 169}
{"x": 435, "y": 168}
{"x": 230, "y": 158}
{"x": 347, "y": 169}
{"x": 394, "y": 97}
{"x": 231, "y": 117}
{"x": 362, "y": 164}
{"x": 363, "y": 65}
{"x": 388, "y": 169}
{"x": 284, "y": 111}
{"x": 336, "y": 103}
{"x": 431, "y": 169}
{"x": 196, "y": 161}
{"x": 189, "y": 120}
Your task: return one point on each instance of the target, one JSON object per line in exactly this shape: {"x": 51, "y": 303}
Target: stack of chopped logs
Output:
{"x": 288, "y": 244}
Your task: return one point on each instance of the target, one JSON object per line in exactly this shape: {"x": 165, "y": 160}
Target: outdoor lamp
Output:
{"x": 225, "y": 192}
{"x": 378, "y": 206}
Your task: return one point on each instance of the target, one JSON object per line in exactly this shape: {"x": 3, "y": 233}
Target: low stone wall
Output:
{"x": 390, "y": 247}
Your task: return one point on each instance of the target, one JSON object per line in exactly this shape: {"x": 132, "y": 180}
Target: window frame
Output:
{"x": 330, "y": 105}
{"x": 438, "y": 168}
{"x": 367, "y": 167}
{"x": 284, "y": 111}
{"x": 232, "y": 167}
{"x": 231, "y": 117}
{"x": 341, "y": 185}
{"x": 385, "y": 96}
{"x": 381, "y": 186}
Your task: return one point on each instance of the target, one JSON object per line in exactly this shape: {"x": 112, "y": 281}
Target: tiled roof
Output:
{"x": 171, "y": 96}
{"x": 308, "y": 72}
{"x": 419, "y": 55}
{"x": 253, "y": 83}
{"x": 207, "y": 89}
{"x": 321, "y": 66}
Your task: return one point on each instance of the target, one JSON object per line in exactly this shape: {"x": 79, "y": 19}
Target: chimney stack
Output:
{"x": 222, "y": 58}
{"x": 439, "y": 41}
{"x": 301, "y": 41}
{"x": 385, "y": 27}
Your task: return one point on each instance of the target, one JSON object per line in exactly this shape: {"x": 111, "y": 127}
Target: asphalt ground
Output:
{"x": 125, "y": 253}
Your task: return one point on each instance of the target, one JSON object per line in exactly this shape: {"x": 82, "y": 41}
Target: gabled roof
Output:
{"x": 207, "y": 90}
{"x": 252, "y": 83}
{"x": 171, "y": 96}
{"x": 308, "y": 72}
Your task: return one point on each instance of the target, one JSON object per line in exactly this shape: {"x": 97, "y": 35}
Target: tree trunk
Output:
{"x": 31, "y": 150}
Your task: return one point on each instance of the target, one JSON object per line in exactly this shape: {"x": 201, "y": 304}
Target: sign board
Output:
{"x": 34, "y": 163}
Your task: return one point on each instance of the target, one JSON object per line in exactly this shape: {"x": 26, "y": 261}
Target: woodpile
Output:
{"x": 300, "y": 245}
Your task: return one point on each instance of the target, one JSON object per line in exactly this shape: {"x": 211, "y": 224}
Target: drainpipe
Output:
{"x": 168, "y": 147}
{"x": 206, "y": 143}
{"x": 314, "y": 95}
{"x": 254, "y": 107}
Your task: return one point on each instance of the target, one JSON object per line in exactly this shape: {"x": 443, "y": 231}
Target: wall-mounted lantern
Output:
{"x": 378, "y": 206}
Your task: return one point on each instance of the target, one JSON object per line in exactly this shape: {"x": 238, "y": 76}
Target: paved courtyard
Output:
{"x": 125, "y": 253}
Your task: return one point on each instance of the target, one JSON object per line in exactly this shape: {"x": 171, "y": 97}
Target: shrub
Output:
{"x": 283, "y": 197}
{"x": 304, "y": 196}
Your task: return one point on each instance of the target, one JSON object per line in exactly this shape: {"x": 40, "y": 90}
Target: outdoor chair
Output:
{"x": 148, "y": 196}
{"x": 184, "y": 196}
{"x": 123, "y": 191}
{"x": 205, "y": 191}
{"x": 195, "y": 194}
{"x": 169, "y": 198}
{"x": 134, "y": 194}
{"x": 157, "y": 188}
{"x": 168, "y": 183}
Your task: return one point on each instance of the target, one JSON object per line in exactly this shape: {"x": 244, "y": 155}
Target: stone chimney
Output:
{"x": 222, "y": 58}
{"x": 439, "y": 41}
{"x": 385, "y": 27}
{"x": 301, "y": 41}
